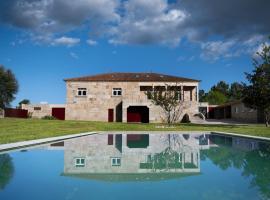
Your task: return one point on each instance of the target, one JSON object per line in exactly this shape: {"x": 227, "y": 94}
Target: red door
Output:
{"x": 133, "y": 117}
{"x": 58, "y": 113}
{"x": 110, "y": 115}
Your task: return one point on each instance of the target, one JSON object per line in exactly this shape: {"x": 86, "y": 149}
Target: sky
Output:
{"x": 46, "y": 41}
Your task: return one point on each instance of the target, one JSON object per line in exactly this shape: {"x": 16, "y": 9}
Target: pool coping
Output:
{"x": 241, "y": 135}
{"x": 29, "y": 143}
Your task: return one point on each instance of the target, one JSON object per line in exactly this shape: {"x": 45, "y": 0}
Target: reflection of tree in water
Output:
{"x": 167, "y": 159}
{"x": 6, "y": 170}
{"x": 171, "y": 157}
{"x": 254, "y": 164}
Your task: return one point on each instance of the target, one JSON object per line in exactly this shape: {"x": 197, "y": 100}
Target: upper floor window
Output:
{"x": 81, "y": 92}
{"x": 117, "y": 92}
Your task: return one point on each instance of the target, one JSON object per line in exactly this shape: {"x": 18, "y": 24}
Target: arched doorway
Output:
{"x": 139, "y": 114}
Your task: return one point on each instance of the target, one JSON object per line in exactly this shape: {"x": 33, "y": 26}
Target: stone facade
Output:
{"x": 99, "y": 98}
{"x": 40, "y": 110}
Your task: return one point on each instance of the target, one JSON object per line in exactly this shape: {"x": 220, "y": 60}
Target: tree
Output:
{"x": 8, "y": 87}
{"x": 24, "y": 101}
{"x": 236, "y": 91}
{"x": 169, "y": 99}
{"x": 257, "y": 93}
{"x": 222, "y": 87}
{"x": 202, "y": 96}
{"x": 216, "y": 97}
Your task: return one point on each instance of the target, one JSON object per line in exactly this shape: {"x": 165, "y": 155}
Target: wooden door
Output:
{"x": 110, "y": 115}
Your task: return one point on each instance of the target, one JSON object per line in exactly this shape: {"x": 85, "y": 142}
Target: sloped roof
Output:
{"x": 127, "y": 177}
{"x": 131, "y": 77}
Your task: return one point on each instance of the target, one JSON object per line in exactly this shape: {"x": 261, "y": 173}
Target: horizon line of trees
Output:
{"x": 222, "y": 92}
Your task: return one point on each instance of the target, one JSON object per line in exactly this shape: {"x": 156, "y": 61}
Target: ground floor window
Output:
{"x": 79, "y": 162}
{"x": 115, "y": 161}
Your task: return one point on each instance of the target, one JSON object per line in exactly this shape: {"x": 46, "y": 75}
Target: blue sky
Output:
{"x": 45, "y": 41}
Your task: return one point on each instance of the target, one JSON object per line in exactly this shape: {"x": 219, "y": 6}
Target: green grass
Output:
{"x": 13, "y": 129}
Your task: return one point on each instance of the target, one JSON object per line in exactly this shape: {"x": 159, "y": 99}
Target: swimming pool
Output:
{"x": 139, "y": 166}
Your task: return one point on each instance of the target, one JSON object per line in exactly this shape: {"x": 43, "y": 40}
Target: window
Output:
{"x": 80, "y": 162}
{"x": 117, "y": 92}
{"x": 236, "y": 109}
{"x": 37, "y": 108}
{"x": 116, "y": 161}
{"x": 81, "y": 92}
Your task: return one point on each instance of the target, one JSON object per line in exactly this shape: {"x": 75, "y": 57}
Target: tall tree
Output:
{"x": 222, "y": 87}
{"x": 8, "y": 87}
{"x": 236, "y": 91}
{"x": 257, "y": 93}
{"x": 202, "y": 96}
{"x": 216, "y": 97}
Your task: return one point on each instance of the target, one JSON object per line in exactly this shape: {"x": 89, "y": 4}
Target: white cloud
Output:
{"x": 91, "y": 42}
{"x": 148, "y": 22}
{"x": 215, "y": 50}
{"x": 66, "y": 41}
{"x": 145, "y": 22}
{"x": 73, "y": 55}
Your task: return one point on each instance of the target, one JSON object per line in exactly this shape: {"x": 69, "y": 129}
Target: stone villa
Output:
{"x": 121, "y": 97}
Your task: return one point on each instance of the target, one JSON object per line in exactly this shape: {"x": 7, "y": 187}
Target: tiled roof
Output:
{"x": 132, "y": 77}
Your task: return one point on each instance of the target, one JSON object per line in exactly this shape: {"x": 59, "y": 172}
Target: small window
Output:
{"x": 37, "y": 108}
{"x": 117, "y": 92}
{"x": 116, "y": 161}
{"x": 236, "y": 109}
{"x": 80, "y": 162}
{"x": 81, "y": 92}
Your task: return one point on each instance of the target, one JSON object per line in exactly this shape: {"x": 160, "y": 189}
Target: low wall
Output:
{"x": 18, "y": 113}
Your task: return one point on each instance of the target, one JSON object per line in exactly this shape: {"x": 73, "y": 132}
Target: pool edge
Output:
{"x": 29, "y": 143}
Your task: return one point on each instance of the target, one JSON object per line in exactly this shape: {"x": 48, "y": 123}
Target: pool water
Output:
{"x": 139, "y": 166}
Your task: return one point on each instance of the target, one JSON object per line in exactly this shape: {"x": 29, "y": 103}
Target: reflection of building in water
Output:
{"x": 240, "y": 143}
{"x": 132, "y": 153}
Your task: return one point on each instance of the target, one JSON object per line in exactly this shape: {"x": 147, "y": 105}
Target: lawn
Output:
{"x": 13, "y": 129}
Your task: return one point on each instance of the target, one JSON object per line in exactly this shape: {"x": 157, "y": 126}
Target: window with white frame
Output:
{"x": 81, "y": 92}
{"x": 79, "y": 162}
{"x": 115, "y": 161}
{"x": 117, "y": 92}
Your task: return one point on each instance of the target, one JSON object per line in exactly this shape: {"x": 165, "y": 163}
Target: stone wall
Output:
{"x": 94, "y": 106}
{"x": 40, "y": 110}
{"x": 241, "y": 113}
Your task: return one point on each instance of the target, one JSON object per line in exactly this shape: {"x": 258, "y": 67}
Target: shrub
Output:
{"x": 48, "y": 117}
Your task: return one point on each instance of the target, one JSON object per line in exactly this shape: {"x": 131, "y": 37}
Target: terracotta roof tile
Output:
{"x": 132, "y": 77}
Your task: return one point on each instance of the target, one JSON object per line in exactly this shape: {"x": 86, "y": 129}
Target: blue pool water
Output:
{"x": 141, "y": 166}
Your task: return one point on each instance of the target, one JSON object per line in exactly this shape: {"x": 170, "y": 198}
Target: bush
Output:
{"x": 48, "y": 117}
{"x": 185, "y": 119}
